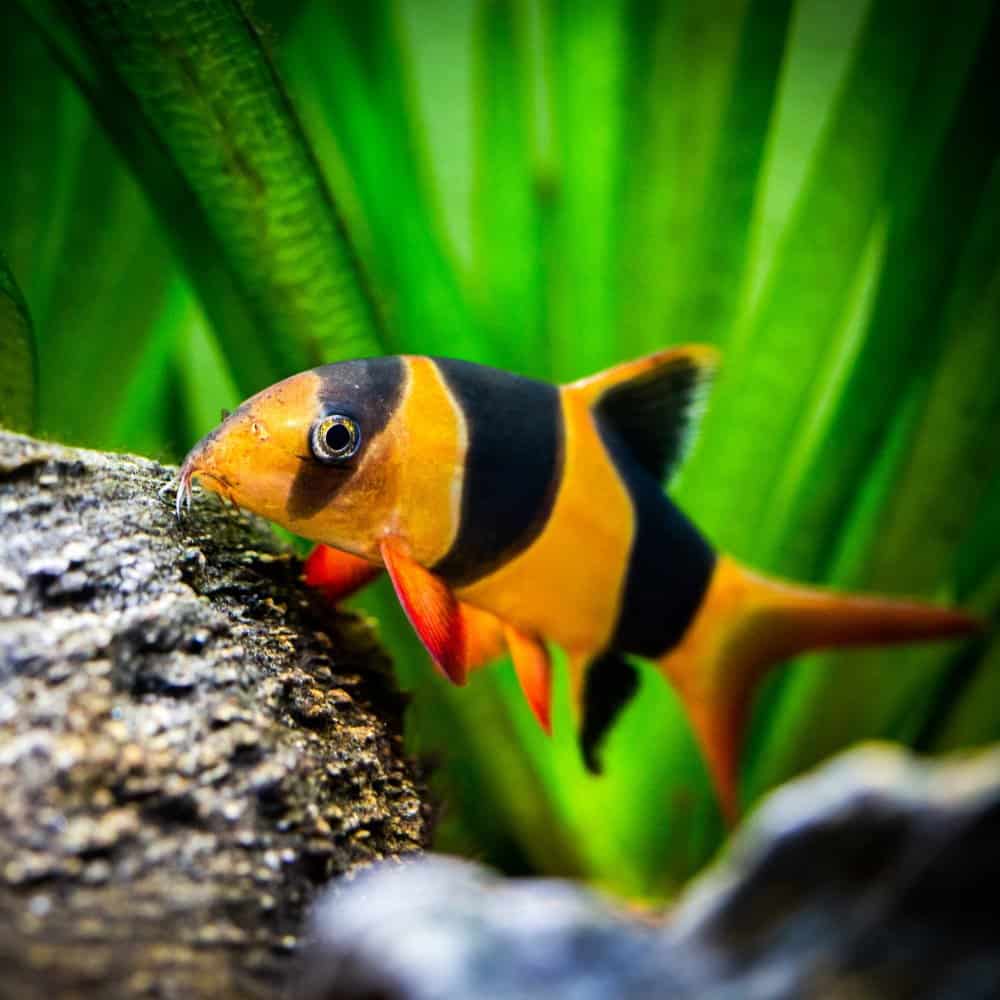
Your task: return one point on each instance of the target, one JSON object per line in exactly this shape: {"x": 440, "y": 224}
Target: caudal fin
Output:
{"x": 748, "y": 622}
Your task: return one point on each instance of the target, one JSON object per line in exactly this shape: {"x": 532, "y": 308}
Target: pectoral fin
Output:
{"x": 534, "y": 671}
{"x": 338, "y": 574}
{"x": 432, "y": 608}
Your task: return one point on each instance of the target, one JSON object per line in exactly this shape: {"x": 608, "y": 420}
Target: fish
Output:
{"x": 511, "y": 514}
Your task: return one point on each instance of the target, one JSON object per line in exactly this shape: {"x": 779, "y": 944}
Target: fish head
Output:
{"x": 316, "y": 453}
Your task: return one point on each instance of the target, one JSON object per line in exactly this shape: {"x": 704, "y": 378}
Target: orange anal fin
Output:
{"x": 338, "y": 574}
{"x": 432, "y": 608}
{"x": 534, "y": 670}
{"x": 484, "y": 637}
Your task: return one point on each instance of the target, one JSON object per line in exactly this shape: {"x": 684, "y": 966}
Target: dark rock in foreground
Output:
{"x": 187, "y": 746}
{"x": 877, "y": 876}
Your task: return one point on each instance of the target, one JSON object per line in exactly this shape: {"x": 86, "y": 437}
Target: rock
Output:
{"x": 189, "y": 743}
{"x": 876, "y": 876}
{"x": 447, "y": 928}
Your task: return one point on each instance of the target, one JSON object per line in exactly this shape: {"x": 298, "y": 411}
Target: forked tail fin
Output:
{"x": 748, "y": 623}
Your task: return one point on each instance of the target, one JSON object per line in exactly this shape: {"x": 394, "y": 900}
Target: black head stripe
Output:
{"x": 369, "y": 392}
{"x": 513, "y": 466}
{"x": 314, "y": 487}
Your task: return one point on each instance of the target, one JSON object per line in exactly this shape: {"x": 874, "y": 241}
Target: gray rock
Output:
{"x": 446, "y": 928}
{"x": 189, "y": 743}
{"x": 876, "y": 876}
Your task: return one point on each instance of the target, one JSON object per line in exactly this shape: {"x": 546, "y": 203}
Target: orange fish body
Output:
{"x": 510, "y": 512}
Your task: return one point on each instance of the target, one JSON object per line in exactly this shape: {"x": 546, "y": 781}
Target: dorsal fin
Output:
{"x": 654, "y": 403}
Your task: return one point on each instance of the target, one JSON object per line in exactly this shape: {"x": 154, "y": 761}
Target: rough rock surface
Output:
{"x": 188, "y": 744}
{"x": 876, "y": 877}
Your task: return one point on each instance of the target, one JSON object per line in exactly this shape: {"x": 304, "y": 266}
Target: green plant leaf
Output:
{"x": 238, "y": 164}
{"x": 351, "y": 58}
{"x": 167, "y": 192}
{"x": 933, "y": 474}
{"x": 867, "y": 355}
{"x": 820, "y": 46}
{"x": 438, "y": 51}
{"x": 587, "y": 51}
{"x": 83, "y": 242}
{"x": 703, "y": 97}
{"x": 17, "y": 351}
{"x": 509, "y": 251}
{"x": 776, "y": 351}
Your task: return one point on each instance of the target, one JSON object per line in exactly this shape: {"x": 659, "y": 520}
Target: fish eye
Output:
{"x": 335, "y": 438}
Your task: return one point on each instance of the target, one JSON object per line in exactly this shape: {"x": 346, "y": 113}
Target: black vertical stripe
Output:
{"x": 513, "y": 466}
{"x": 669, "y": 567}
{"x": 368, "y": 391}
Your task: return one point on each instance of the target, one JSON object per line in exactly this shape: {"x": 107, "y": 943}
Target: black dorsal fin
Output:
{"x": 609, "y": 686}
{"x": 654, "y": 403}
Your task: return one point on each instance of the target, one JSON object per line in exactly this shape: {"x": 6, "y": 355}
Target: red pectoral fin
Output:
{"x": 338, "y": 574}
{"x": 484, "y": 636}
{"x": 431, "y": 607}
{"x": 534, "y": 671}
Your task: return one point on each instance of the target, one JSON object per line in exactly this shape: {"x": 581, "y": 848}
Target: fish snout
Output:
{"x": 254, "y": 456}
{"x": 182, "y": 501}
{"x": 197, "y": 462}
{"x": 206, "y": 461}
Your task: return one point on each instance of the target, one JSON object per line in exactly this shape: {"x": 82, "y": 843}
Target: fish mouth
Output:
{"x": 185, "y": 477}
{"x": 182, "y": 501}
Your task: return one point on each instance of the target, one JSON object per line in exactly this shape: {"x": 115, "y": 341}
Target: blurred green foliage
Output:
{"x": 17, "y": 347}
{"x": 197, "y": 199}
